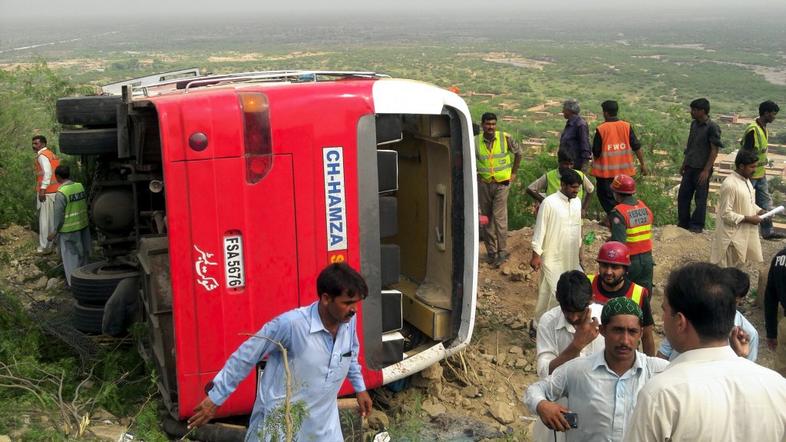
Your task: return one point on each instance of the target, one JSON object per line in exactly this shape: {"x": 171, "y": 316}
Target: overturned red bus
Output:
{"x": 229, "y": 193}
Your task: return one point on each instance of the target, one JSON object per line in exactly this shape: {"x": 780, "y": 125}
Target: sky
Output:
{"x": 76, "y": 9}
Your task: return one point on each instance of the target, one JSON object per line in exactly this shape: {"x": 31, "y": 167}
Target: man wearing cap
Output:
{"x": 602, "y": 388}
{"x": 498, "y": 158}
{"x": 612, "y": 282}
{"x": 631, "y": 224}
{"x": 566, "y": 332}
{"x": 708, "y": 393}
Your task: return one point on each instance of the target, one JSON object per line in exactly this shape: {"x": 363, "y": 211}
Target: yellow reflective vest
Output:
{"x": 76, "y": 207}
{"x": 635, "y": 293}
{"x": 759, "y": 147}
{"x": 554, "y": 183}
{"x": 495, "y": 164}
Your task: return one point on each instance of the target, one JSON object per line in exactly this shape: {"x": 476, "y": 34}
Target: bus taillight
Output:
{"x": 256, "y": 135}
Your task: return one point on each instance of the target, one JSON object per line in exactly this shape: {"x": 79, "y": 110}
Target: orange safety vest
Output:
{"x": 636, "y": 293}
{"x": 616, "y": 155}
{"x": 638, "y": 227}
{"x": 39, "y": 172}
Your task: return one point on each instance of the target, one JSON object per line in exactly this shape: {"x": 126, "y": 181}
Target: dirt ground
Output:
{"x": 472, "y": 396}
{"x": 21, "y": 268}
{"x": 477, "y": 396}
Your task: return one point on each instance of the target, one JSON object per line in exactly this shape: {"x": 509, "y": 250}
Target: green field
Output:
{"x": 653, "y": 68}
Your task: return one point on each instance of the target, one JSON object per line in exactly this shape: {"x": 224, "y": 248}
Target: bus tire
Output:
{"x": 88, "y": 319}
{"x": 99, "y": 110}
{"x": 89, "y": 141}
{"x": 93, "y": 284}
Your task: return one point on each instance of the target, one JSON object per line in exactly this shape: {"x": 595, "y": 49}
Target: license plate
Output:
{"x": 233, "y": 262}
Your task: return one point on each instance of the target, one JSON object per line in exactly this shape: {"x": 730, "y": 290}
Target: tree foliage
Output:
{"x": 28, "y": 98}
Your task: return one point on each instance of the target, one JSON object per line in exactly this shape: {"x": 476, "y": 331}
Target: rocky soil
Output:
{"x": 38, "y": 283}
{"x": 472, "y": 396}
{"x": 476, "y": 396}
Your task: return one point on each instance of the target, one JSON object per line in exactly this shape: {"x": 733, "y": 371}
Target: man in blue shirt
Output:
{"x": 601, "y": 388}
{"x": 322, "y": 350}
{"x": 743, "y": 339}
{"x": 575, "y": 137}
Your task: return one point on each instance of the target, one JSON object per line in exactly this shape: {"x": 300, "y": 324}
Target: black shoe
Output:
{"x": 491, "y": 258}
{"x": 774, "y": 236}
{"x": 695, "y": 229}
{"x": 533, "y": 332}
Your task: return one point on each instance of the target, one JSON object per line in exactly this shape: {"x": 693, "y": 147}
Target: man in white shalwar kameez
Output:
{"x": 556, "y": 242}
{"x": 736, "y": 239}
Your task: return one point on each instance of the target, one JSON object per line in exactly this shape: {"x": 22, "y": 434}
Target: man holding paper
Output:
{"x": 736, "y": 240}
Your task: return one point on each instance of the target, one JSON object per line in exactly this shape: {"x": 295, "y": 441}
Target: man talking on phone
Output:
{"x": 601, "y": 388}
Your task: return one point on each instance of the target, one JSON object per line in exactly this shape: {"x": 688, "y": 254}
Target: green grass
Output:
{"x": 41, "y": 374}
{"x": 146, "y": 426}
{"x": 407, "y": 424}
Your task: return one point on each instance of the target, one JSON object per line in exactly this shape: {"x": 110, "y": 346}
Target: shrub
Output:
{"x": 28, "y": 97}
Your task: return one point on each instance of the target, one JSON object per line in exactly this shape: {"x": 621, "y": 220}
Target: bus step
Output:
{"x": 388, "y": 216}
{"x": 387, "y": 170}
{"x": 391, "y": 264}
{"x": 392, "y": 348}
{"x": 433, "y": 321}
{"x": 391, "y": 311}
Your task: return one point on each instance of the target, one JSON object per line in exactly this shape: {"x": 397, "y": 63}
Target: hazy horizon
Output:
{"x": 36, "y": 28}
{"x": 79, "y": 10}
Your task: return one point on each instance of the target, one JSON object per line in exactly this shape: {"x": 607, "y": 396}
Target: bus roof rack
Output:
{"x": 299, "y": 76}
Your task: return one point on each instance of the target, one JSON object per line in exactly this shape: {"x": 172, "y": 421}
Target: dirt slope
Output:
{"x": 477, "y": 396}
{"x": 473, "y": 396}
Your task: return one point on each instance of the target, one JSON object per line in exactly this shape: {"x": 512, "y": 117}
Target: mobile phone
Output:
{"x": 572, "y": 418}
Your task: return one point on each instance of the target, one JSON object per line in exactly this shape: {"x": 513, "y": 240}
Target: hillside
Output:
{"x": 478, "y": 395}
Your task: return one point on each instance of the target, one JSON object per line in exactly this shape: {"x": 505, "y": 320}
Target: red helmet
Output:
{"x": 623, "y": 184}
{"x": 614, "y": 252}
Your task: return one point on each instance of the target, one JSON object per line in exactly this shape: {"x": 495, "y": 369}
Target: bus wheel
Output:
{"x": 99, "y": 110}
{"x": 88, "y": 141}
{"x": 93, "y": 284}
{"x": 88, "y": 318}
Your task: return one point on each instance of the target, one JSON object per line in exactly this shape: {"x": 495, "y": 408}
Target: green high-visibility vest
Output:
{"x": 496, "y": 164}
{"x": 759, "y": 147}
{"x": 553, "y": 183}
{"x": 76, "y": 207}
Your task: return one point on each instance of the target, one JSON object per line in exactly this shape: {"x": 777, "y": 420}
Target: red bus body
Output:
{"x": 247, "y": 230}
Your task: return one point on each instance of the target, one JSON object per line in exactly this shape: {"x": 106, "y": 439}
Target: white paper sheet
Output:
{"x": 772, "y": 212}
